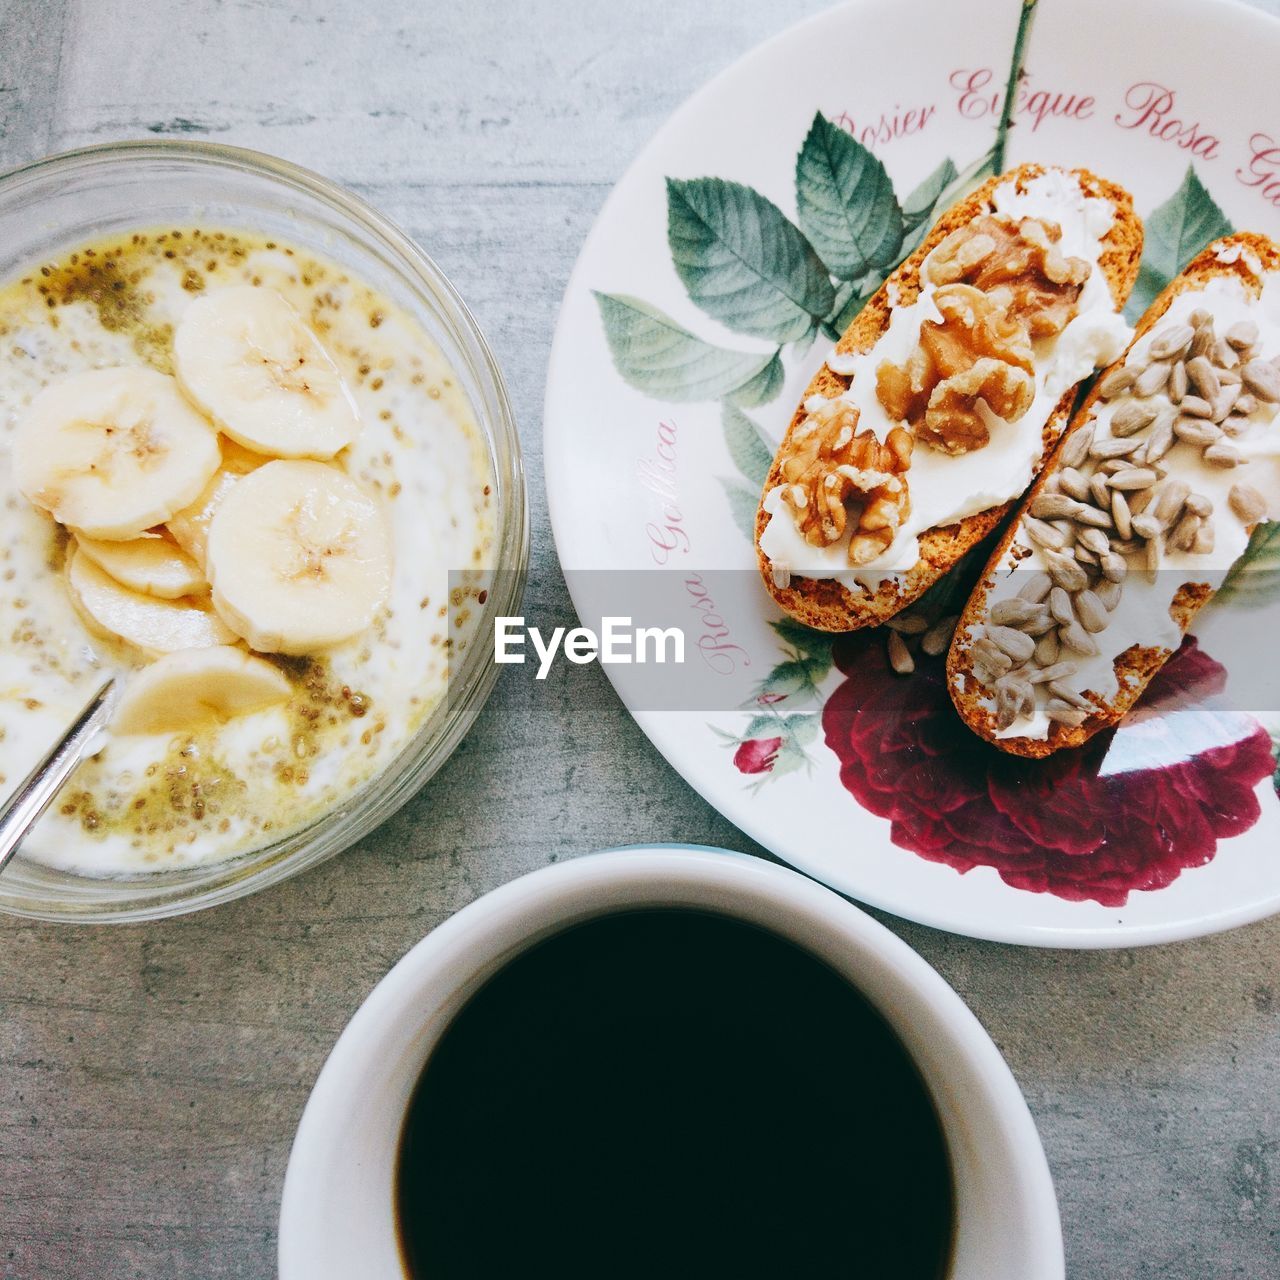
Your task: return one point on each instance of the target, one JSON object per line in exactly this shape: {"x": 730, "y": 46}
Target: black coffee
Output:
{"x": 672, "y": 1094}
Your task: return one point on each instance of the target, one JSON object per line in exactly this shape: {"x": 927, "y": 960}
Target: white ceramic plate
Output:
{"x": 1166, "y": 829}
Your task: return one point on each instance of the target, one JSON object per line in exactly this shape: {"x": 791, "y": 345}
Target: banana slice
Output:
{"x": 299, "y": 557}
{"x": 190, "y": 526}
{"x": 112, "y": 452}
{"x": 194, "y": 687}
{"x": 152, "y": 564}
{"x": 249, "y": 360}
{"x": 154, "y": 626}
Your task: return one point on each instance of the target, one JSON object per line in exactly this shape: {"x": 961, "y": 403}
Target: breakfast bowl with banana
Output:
{"x": 258, "y": 464}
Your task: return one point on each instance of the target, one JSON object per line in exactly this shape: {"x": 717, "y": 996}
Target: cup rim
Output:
{"x": 156, "y": 896}
{"x": 504, "y": 921}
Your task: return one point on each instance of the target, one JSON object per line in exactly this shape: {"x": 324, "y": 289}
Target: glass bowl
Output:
{"x": 54, "y": 204}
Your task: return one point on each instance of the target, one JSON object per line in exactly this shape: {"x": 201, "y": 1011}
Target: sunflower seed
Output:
{"x": 908, "y": 624}
{"x": 1018, "y": 686}
{"x": 1112, "y": 465}
{"x": 1044, "y": 535}
{"x": 1065, "y": 527}
{"x": 1047, "y": 649}
{"x": 1204, "y": 340}
{"x": 1095, "y": 540}
{"x": 1195, "y": 407}
{"x": 1247, "y": 403}
{"x": 1064, "y": 713}
{"x": 1013, "y": 611}
{"x": 1035, "y": 588}
{"x": 1151, "y": 380}
{"x": 1131, "y": 417}
{"x": 1199, "y": 505}
{"x": 1065, "y": 572}
{"x": 1203, "y": 377}
{"x": 1093, "y": 516}
{"x": 1090, "y": 611}
{"x": 1230, "y": 377}
{"x": 1075, "y": 448}
{"x": 1060, "y": 606}
{"x": 1225, "y": 402}
{"x": 1018, "y": 646}
{"x": 1159, "y": 440}
{"x": 1114, "y": 567}
{"x": 983, "y": 673}
{"x": 1173, "y": 493}
{"x": 1202, "y": 544}
{"x": 1059, "y": 689}
{"x": 1171, "y": 342}
{"x": 1041, "y": 622}
{"x": 1197, "y": 431}
{"x": 1263, "y": 379}
{"x": 1115, "y": 380}
{"x": 938, "y": 637}
{"x": 1113, "y": 447}
{"x": 1177, "y": 387}
{"x": 1085, "y": 556}
{"x": 1242, "y": 334}
{"x": 1051, "y": 483}
{"x": 1222, "y": 455}
{"x": 1225, "y": 357}
{"x": 1078, "y": 640}
{"x": 900, "y": 658}
{"x": 1119, "y": 517}
{"x": 1134, "y": 478}
{"x": 1247, "y": 503}
{"x": 1099, "y": 491}
{"x": 1126, "y": 546}
{"x": 1151, "y": 559}
{"x": 1074, "y": 483}
{"x": 1109, "y": 593}
{"x": 1049, "y": 506}
{"x": 1147, "y": 526}
{"x": 1054, "y": 671}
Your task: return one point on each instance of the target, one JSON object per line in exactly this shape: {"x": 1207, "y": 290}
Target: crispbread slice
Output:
{"x": 829, "y": 605}
{"x": 1136, "y": 666}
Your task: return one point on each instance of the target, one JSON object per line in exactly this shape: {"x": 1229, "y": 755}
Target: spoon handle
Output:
{"x": 19, "y": 813}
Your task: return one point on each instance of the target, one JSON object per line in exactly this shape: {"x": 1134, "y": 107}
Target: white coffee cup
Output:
{"x": 337, "y": 1219}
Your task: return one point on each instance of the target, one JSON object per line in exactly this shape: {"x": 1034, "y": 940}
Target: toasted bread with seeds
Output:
{"x": 829, "y": 605}
{"x": 1245, "y": 256}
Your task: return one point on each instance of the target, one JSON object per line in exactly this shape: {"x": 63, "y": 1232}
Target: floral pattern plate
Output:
{"x": 736, "y": 247}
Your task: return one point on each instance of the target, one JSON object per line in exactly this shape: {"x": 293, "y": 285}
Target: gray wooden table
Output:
{"x": 151, "y": 1077}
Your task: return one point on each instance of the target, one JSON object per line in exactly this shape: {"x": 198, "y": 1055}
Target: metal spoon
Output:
{"x": 18, "y": 815}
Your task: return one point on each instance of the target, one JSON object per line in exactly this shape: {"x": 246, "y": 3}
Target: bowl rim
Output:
{"x": 157, "y": 895}
{"x": 438, "y": 974}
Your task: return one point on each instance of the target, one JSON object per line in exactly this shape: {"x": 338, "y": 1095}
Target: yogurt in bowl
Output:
{"x": 239, "y": 472}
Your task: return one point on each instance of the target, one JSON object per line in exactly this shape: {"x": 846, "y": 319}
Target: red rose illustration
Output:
{"x": 1131, "y": 809}
{"x": 757, "y": 755}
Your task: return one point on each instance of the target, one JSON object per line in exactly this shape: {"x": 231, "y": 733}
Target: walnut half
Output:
{"x": 834, "y": 473}
{"x": 1022, "y": 262}
{"x": 977, "y": 351}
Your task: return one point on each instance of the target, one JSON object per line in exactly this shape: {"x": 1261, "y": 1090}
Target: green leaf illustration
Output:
{"x": 1254, "y": 579}
{"x": 804, "y": 640}
{"x": 851, "y": 297}
{"x": 795, "y": 676}
{"x": 659, "y": 357}
{"x": 743, "y": 262}
{"x": 763, "y": 386}
{"x": 803, "y": 729}
{"x": 750, "y": 449}
{"x": 1175, "y": 233}
{"x": 742, "y": 506}
{"x": 918, "y": 208}
{"x": 846, "y": 202}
